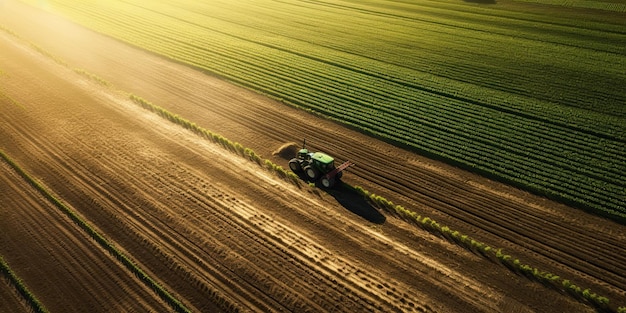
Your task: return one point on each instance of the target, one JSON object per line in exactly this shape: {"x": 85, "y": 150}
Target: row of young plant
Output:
{"x": 425, "y": 222}
{"x": 610, "y": 192}
{"x": 514, "y": 264}
{"x": 497, "y": 136}
{"x": 231, "y": 146}
{"x": 441, "y": 139}
{"x": 227, "y": 144}
{"x": 393, "y": 36}
{"x": 346, "y": 111}
{"x": 364, "y": 46}
{"x": 524, "y": 173}
{"x": 201, "y": 44}
{"x": 216, "y": 138}
{"x": 103, "y": 242}
{"x": 496, "y": 139}
{"x": 30, "y": 298}
{"x": 596, "y": 189}
{"x": 182, "y": 42}
{"x": 197, "y": 23}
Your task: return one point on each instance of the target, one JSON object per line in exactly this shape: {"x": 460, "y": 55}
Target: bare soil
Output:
{"x": 219, "y": 232}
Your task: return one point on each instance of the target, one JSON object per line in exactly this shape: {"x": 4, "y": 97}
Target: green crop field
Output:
{"x": 531, "y": 93}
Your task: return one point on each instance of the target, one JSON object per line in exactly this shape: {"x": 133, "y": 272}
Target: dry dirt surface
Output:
{"x": 219, "y": 232}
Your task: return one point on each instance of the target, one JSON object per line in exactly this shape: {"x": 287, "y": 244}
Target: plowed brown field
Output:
{"x": 219, "y": 232}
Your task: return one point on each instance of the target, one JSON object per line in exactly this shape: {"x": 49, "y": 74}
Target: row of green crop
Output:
{"x": 533, "y": 273}
{"x": 438, "y": 40}
{"x": 234, "y": 147}
{"x": 514, "y": 264}
{"x": 609, "y": 191}
{"x": 567, "y": 141}
{"x": 163, "y": 31}
{"x": 425, "y": 222}
{"x": 502, "y": 143}
{"x": 600, "y": 5}
{"x": 570, "y": 134}
{"x": 92, "y": 77}
{"x": 610, "y": 196}
{"x": 32, "y": 301}
{"x": 103, "y": 242}
{"x": 116, "y": 20}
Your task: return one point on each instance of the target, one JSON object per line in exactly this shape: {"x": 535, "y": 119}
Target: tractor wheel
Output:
{"x": 294, "y": 165}
{"x": 338, "y": 176}
{"x": 328, "y": 182}
{"x": 311, "y": 173}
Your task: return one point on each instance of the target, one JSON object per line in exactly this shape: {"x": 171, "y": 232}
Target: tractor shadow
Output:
{"x": 350, "y": 200}
{"x": 345, "y": 196}
{"x": 355, "y": 203}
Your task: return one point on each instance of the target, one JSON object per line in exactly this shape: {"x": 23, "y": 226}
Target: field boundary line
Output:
{"x": 103, "y": 242}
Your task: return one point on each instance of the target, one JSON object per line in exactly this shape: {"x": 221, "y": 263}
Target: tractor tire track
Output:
{"x": 115, "y": 191}
{"x": 72, "y": 264}
{"x": 124, "y": 174}
{"x": 485, "y": 212}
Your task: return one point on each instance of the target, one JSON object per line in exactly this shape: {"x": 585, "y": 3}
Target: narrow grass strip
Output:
{"x": 227, "y": 144}
{"x": 601, "y": 303}
{"x": 30, "y": 298}
{"x": 93, "y": 77}
{"x": 216, "y": 138}
{"x": 515, "y": 265}
{"x": 103, "y": 242}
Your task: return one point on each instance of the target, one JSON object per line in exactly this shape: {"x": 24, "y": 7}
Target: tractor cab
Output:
{"x": 324, "y": 162}
{"x": 303, "y": 154}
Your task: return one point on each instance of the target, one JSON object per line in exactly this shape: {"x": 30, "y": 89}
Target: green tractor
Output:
{"x": 318, "y": 166}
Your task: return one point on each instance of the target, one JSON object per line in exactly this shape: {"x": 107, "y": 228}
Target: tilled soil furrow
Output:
{"x": 219, "y": 233}
{"x": 573, "y": 253}
{"x": 75, "y": 264}
{"x": 68, "y": 166}
{"x": 108, "y": 188}
{"x": 179, "y": 188}
{"x": 484, "y": 211}
{"x": 364, "y": 239}
{"x": 118, "y": 199}
{"x": 521, "y": 228}
{"x": 10, "y": 299}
